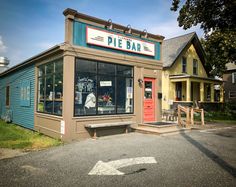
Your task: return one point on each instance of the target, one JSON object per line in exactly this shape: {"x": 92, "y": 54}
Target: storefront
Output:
{"x": 102, "y": 73}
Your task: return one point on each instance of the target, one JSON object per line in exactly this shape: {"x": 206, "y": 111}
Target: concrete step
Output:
{"x": 145, "y": 130}
{"x": 158, "y": 130}
{"x": 171, "y": 125}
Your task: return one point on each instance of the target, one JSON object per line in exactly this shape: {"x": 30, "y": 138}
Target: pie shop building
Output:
{"x": 103, "y": 73}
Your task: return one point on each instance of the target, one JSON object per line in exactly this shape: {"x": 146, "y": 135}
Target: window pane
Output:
{"x": 41, "y": 86}
{"x": 7, "y": 95}
{"x": 234, "y": 77}
{"x": 148, "y": 90}
{"x": 106, "y": 95}
{"x": 59, "y": 66}
{"x": 57, "y": 107}
{"x": 86, "y": 66}
{"x": 49, "y": 68}
{"x": 58, "y": 94}
{"x": 58, "y": 86}
{"x": 105, "y": 68}
{"x": 184, "y": 64}
{"x": 85, "y": 94}
{"x": 195, "y": 66}
{"x": 41, "y": 70}
{"x": 124, "y": 95}
{"x": 49, "y": 94}
{"x": 124, "y": 71}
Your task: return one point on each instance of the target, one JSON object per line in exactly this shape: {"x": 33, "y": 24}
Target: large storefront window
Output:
{"x": 50, "y": 88}
{"x": 102, "y": 88}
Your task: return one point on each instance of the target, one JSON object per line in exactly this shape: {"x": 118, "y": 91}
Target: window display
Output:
{"x": 50, "y": 87}
{"x": 102, "y": 88}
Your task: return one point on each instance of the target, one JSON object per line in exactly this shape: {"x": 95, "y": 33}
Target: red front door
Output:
{"x": 149, "y": 99}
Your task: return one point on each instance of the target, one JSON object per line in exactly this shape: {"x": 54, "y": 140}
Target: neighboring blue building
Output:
{"x": 17, "y": 96}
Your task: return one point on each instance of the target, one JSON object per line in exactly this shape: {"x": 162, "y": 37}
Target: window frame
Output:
{"x": 97, "y": 75}
{"x": 7, "y": 96}
{"x": 44, "y": 77}
{"x": 184, "y": 67}
{"x": 233, "y": 77}
{"x": 195, "y": 66}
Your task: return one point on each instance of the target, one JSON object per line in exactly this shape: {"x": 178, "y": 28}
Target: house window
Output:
{"x": 184, "y": 65}
{"x": 234, "y": 77}
{"x": 102, "y": 88}
{"x": 232, "y": 94}
{"x": 195, "y": 66}
{"x": 50, "y": 87}
{"x": 8, "y": 96}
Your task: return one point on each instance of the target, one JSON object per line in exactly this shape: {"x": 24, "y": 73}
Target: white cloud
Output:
{"x": 3, "y": 48}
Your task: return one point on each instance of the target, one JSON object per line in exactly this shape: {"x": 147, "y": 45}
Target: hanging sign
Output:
{"x": 120, "y": 42}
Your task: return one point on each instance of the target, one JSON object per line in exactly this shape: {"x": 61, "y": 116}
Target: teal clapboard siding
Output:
{"x": 21, "y": 115}
{"x": 79, "y": 38}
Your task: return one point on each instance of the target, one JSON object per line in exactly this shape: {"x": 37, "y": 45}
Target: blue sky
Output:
{"x": 28, "y": 27}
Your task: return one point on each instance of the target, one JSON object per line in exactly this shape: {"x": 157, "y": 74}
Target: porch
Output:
{"x": 194, "y": 91}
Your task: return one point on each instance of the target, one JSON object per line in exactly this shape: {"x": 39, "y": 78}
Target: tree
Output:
{"x": 220, "y": 48}
{"x": 218, "y": 20}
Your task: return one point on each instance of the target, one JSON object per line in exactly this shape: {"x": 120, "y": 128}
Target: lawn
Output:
{"x": 16, "y": 137}
{"x": 228, "y": 117}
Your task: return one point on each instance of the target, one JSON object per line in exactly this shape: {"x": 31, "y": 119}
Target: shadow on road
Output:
{"x": 223, "y": 164}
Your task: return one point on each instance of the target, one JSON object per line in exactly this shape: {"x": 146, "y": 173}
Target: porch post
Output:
{"x": 221, "y": 93}
{"x": 188, "y": 90}
{"x": 201, "y": 91}
{"x": 212, "y": 92}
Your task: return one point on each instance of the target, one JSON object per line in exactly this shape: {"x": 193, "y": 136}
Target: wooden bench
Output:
{"x": 113, "y": 124}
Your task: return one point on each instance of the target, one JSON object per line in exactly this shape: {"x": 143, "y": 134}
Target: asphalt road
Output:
{"x": 196, "y": 158}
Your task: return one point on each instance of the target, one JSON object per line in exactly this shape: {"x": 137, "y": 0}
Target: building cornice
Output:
{"x": 72, "y": 14}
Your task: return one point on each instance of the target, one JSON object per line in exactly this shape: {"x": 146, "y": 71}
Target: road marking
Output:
{"x": 209, "y": 130}
{"x": 111, "y": 168}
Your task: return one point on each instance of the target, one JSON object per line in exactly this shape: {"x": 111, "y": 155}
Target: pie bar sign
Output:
{"x": 108, "y": 39}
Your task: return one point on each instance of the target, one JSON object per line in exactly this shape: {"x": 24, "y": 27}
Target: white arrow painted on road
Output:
{"x": 111, "y": 168}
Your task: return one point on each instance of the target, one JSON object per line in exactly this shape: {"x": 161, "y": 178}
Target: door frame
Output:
{"x": 153, "y": 80}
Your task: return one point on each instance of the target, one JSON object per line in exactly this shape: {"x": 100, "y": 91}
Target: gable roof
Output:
{"x": 173, "y": 48}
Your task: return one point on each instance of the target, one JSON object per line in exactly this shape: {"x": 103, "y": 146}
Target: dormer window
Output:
{"x": 184, "y": 65}
{"x": 195, "y": 66}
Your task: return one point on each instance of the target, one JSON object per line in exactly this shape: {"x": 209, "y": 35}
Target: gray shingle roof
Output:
{"x": 173, "y": 47}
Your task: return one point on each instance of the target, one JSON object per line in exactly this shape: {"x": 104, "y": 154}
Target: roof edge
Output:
{"x": 187, "y": 44}
{"x": 181, "y": 35}
{"x": 77, "y": 14}
{"x": 30, "y": 60}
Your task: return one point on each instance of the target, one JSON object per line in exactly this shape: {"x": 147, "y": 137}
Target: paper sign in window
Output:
{"x": 129, "y": 92}
{"x": 105, "y": 83}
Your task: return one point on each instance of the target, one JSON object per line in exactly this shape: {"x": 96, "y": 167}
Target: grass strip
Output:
{"x": 16, "y": 137}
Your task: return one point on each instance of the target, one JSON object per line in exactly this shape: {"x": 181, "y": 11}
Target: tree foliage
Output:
{"x": 218, "y": 20}
{"x": 220, "y": 48}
